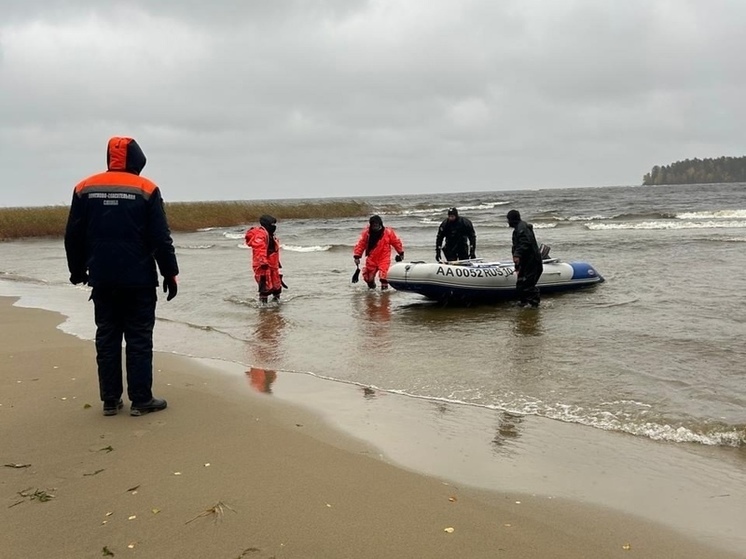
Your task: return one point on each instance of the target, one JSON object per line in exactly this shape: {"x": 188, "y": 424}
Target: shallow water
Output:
{"x": 656, "y": 351}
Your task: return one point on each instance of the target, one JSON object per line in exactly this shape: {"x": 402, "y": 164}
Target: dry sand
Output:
{"x": 227, "y": 473}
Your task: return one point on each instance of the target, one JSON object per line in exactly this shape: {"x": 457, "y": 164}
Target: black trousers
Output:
{"x": 456, "y": 252}
{"x": 528, "y": 276}
{"x": 127, "y": 313}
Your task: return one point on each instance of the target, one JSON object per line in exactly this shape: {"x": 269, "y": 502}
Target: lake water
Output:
{"x": 656, "y": 351}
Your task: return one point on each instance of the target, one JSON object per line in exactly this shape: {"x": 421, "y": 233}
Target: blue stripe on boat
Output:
{"x": 583, "y": 270}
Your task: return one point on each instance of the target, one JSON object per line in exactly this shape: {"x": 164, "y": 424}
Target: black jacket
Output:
{"x": 525, "y": 246}
{"x": 457, "y": 233}
{"x": 117, "y": 229}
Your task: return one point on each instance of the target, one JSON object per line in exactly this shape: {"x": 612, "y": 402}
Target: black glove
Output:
{"x": 283, "y": 284}
{"x": 472, "y": 254}
{"x": 437, "y": 254}
{"x": 169, "y": 285}
{"x": 75, "y": 279}
{"x": 399, "y": 257}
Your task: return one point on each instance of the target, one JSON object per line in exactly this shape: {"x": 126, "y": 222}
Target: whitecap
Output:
{"x": 668, "y": 225}
{"x": 585, "y": 218}
{"x": 315, "y": 248}
{"x": 716, "y": 214}
{"x": 461, "y": 209}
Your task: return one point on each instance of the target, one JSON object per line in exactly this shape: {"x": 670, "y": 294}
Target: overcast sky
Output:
{"x": 249, "y": 99}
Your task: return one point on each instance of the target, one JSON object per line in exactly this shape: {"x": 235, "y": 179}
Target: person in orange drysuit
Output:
{"x": 265, "y": 248}
{"x": 376, "y": 242}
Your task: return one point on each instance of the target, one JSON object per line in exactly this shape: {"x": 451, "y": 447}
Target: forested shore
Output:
{"x": 698, "y": 171}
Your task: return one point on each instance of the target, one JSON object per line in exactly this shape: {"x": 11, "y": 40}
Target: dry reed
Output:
{"x": 49, "y": 221}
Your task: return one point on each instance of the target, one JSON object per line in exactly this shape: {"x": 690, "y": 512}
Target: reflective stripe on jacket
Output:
{"x": 117, "y": 229}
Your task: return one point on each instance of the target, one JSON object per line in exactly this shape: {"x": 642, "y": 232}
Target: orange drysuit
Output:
{"x": 378, "y": 255}
{"x": 265, "y": 248}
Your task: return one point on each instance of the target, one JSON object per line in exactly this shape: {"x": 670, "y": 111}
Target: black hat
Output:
{"x": 453, "y": 211}
{"x": 266, "y": 220}
{"x": 514, "y": 216}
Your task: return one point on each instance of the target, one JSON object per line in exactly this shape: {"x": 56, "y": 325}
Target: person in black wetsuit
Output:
{"x": 527, "y": 259}
{"x": 460, "y": 238}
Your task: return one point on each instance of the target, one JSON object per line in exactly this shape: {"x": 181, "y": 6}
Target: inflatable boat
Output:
{"x": 477, "y": 280}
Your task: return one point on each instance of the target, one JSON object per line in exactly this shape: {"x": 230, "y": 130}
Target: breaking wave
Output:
{"x": 629, "y": 419}
{"x": 194, "y": 247}
{"x": 626, "y": 420}
{"x": 461, "y": 209}
{"x": 668, "y": 225}
{"x": 717, "y": 214}
{"x": 602, "y": 217}
{"x": 314, "y": 248}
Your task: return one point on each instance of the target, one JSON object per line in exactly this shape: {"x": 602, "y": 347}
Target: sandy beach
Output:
{"x": 229, "y": 472}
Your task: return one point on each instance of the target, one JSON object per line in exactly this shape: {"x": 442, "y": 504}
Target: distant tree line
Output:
{"x": 698, "y": 171}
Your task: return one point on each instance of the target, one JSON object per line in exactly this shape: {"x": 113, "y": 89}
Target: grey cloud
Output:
{"x": 323, "y": 98}
{"x": 215, "y": 13}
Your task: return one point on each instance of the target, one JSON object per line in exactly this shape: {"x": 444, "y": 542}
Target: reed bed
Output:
{"x": 190, "y": 216}
{"x": 47, "y": 221}
{"x": 50, "y": 221}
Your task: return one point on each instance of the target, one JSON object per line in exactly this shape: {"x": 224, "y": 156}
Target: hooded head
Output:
{"x": 452, "y": 214}
{"x": 268, "y": 222}
{"x": 376, "y": 223}
{"x": 124, "y": 154}
{"x": 514, "y": 217}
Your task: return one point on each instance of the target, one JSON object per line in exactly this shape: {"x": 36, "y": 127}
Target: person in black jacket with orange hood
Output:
{"x": 116, "y": 234}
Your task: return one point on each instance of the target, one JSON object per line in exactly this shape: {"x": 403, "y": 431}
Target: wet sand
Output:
{"x": 227, "y": 471}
